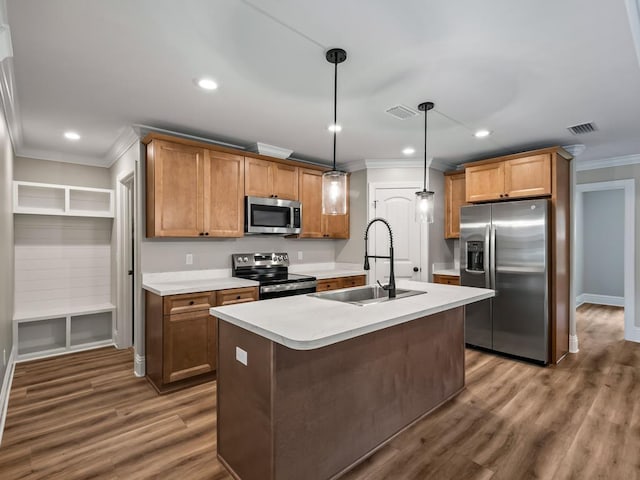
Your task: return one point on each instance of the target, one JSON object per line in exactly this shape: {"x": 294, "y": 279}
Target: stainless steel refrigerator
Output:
{"x": 504, "y": 246}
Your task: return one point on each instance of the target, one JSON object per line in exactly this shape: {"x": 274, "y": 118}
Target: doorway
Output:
{"x": 125, "y": 259}
{"x": 631, "y": 331}
{"x": 396, "y": 204}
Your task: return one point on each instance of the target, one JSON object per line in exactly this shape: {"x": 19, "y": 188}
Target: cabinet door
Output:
{"x": 335, "y": 226}
{"x": 354, "y": 281}
{"x": 484, "y": 182}
{"x": 285, "y": 181}
{"x": 223, "y": 195}
{"x": 311, "y": 198}
{"x": 258, "y": 177}
{"x": 189, "y": 345}
{"x": 174, "y": 190}
{"x": 454, "y": 188}
{"x": 236, "y": 295}
{"x": 328, "y": 284}
{"x": 528, "y": 177}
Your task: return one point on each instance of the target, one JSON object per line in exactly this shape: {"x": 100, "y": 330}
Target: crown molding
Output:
{"x": 124, "y": 141}
{"x": 607, "y": 162}
{"x": 363, "y": 164}
{"x": 63, "y": 157}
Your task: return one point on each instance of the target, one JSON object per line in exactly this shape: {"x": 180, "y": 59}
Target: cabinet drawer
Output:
{"x": 237, "y": 295}
{"x": 355, "y": 281}
{"x": 446, "y": 279}
{"x": 328, "y": 284}
{"x": 188, "y": 302}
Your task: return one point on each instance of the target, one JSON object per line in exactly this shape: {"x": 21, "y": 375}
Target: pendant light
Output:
{"x": 334, "y": 182}
{"x": 425, "y": 198}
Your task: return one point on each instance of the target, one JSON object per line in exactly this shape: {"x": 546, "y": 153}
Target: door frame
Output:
{"x": 424, "y": 228}
{"x": 631, "y": 331}
{"x": 125, "y": 204}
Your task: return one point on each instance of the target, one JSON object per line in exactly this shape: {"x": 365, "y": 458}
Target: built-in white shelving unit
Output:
{"x": 62, "y": 246}
{"x": 41, "y": 334}
{"x": 50, "y": 199}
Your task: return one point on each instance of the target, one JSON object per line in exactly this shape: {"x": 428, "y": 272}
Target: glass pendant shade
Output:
{"x": 334, "y": 193}
{"x": 424, "y": 206}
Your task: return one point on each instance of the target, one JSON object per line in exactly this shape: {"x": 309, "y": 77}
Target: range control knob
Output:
{"x": 245, "y": 259}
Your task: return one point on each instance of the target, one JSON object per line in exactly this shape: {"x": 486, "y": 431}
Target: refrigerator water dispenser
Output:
{"x": 475, "y": 256}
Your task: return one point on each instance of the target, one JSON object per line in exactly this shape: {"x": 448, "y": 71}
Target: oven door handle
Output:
{"x": 284, "y": 287}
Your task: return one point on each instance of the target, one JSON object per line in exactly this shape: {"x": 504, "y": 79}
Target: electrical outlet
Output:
{"x": 300, "y": 255}
{"x": 242, "y": 356}
{"x": 189, "y": 259}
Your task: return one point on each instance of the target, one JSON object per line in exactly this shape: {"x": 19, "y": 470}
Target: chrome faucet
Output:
{"x": 391, "y": 287}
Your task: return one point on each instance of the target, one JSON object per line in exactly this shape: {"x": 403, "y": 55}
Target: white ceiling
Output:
{"x": 525, "y": 70}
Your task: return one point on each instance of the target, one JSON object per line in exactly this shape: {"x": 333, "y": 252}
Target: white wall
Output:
{"x": 602, "y": 244}
{"x": 47, "y": 171}
{"x": 6, "y": 246}
{"x": 352, "y": 250}
{"x": 621, "y": 173}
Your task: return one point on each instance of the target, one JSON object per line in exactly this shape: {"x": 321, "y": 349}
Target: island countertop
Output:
{"x": 303, "y": 322}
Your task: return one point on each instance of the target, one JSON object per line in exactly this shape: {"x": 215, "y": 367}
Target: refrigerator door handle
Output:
{"x": 485, "y": 262}
{"x": 492, "y": 257}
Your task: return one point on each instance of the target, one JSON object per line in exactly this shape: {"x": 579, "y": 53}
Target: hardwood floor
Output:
{"x": 86, "y": 416}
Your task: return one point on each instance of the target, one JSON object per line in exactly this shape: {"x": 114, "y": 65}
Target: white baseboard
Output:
{"x": 573, "y": 344}
{"x": 599, "y": 300}
{"x": 139, "y": 367}
{"x": 6, "y": 388}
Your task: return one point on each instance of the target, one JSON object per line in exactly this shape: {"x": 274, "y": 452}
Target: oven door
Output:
{"x": 272, "y": 215}
{"x": 287, "y": 289}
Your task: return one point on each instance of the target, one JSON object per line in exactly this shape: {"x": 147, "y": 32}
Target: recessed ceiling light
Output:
{"x": 72, "y": 135}
{"x": 207, "y": 84}
{"x": 409, "y": 151}
{"x": 482, "y": 133}
{"x": 334, "y": 128}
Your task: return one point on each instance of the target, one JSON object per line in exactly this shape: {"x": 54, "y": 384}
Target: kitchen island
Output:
{"x": 309, "y": 387}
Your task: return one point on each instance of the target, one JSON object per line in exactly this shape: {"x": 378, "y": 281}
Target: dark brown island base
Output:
{"x": 285, "y": 413}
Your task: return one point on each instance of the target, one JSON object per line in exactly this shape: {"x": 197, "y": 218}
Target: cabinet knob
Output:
{"x": 506, "y": 194}
{"x": 202, "y": 233}
{"x": 501, "y": 195}
{"x": 206, "y": 233}
{"x": 238, "y": 297}
{"x": 191, "y": 302}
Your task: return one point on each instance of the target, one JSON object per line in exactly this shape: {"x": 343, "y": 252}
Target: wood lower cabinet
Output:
{"x": 335, "y": 283}
{"x": 314, "y": 223}
{"x": 523, "y": 177}
{"x": 446, "y": 279}
{"x": 454, "y": 198}
{"x": 181, "y": 336}
{"x": 270, "y": 179}
{"x": 193, "y": 191}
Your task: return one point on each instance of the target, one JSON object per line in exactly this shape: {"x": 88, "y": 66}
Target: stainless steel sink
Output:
{"x": 367, "y": 295}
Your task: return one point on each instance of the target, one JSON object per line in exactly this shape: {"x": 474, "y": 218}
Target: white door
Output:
{"x": 396, "y": 205}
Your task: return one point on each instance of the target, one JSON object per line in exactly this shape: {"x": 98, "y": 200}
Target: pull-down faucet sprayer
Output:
{"x": 391, "y": 287}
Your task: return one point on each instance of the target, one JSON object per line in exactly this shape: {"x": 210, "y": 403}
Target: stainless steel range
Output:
{"x": 272, "y": 271}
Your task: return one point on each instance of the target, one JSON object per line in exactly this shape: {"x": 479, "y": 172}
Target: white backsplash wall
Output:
{"x": 165, "y": 255}
{"x": 61, "y": 262}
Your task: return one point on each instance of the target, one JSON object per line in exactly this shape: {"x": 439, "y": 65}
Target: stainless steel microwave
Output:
{"x": 272, "y": 215}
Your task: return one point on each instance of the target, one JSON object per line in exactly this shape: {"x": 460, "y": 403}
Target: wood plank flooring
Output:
{"x": 86, "y": 416}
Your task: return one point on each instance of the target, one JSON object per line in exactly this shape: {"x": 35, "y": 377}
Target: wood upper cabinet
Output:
{"x": 193, "y": 192}
{"x": 174, "y": 190}
{"x": 454, "y": 198}
{"x": 484, "y": 182}
{"x": 223, "y": 195}
{"x": 310, "y": 190}
{"x": 528, "y": 176}
{"x": 314, "y": 223}
{"x": 264, "y": 178}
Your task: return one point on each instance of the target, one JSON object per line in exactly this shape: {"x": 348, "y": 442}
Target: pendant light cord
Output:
{"x": 424, "y": 173}
{"x": 335, "y": 111}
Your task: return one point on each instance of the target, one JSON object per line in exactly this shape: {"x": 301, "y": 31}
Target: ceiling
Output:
{"x": 524, "y": 70}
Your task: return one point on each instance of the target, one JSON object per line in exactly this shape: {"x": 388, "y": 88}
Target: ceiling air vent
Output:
{"x": 401, "y": 112}
{"x": 583, "y": 128}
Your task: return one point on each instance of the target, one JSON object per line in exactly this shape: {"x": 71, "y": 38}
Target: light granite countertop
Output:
{"x": 305, "y": 322}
